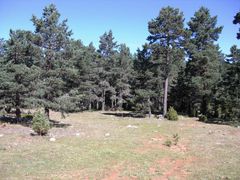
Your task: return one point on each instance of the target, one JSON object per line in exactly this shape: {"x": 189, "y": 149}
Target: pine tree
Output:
{"x": 52, "y": 38}
{"x": 237, "y": 21}
{"x": 227, "y": 93}
{"x": 107, "y": 50}
{"x": 167, "y": 31}
{"x": 203, "y": 66}
{"x": 18, "y": 70}
{"x": 143, "y": 85}
{"x": 122, "y": 75}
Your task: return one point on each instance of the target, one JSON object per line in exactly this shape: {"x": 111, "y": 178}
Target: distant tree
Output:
{"x": 180, "y": 93}
{"x": 228, "y": 94}
{"x": 167, "y": 32}
{"x": 237, "y": 21}
{"x": 2, "y": 43}
{"x": 143, "y": 85}
{"x": 107, "y": 50}
{"x": 122, "y": 75}
{"x": 235, "y": 54}
{"x": 85, "y": 64}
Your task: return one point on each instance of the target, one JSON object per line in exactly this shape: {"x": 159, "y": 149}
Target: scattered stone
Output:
{"x": 52, "y": 139}
{"x": 210, "y": 132}
{"x": 132, "y": 126}
{"x": 107, "y": 134}
{"x": 1, "y": 135}
{"x": 160, "y": 116}
{"x": 4, "y": 125}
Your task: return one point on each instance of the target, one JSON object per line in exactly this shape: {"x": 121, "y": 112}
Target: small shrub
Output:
{"x": 40, "y": 123}
{"x": 168, "y": 143}
{"x": 176, "y": 138}
{"x": 27, "y": 116}
{"x": 3, "y": 112}
{"x": 172, "y": 114}
{"x": 203, "y": 118}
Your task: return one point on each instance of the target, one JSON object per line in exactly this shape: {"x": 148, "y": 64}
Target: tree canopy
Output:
{"x": 181, "y": 66}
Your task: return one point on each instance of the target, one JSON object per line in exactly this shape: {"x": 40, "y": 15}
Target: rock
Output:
{"x": 52, "y": 139}
{"x": 77, "y": 134}
{"x": 131, "y": 126}
{"x": 160, "y": 116}
{"x": 210, "y": 132}
{"x": 107, "y": 134}
{"x": 4, "y": 125}
{"x": 1, "y": 135}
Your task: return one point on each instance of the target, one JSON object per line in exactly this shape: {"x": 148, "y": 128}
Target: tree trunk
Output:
{"x": 90, "y": 106}
{"x": 97, "y": 105}
{"x": 8, "y": 109}
{"x": 149, "y": 108}
{"x": 165, "y": 97}
{"x": 18, "y": 112}
{"x": 159, "y": 104}
{"x": 47, "y": 112}
{"x": 112, "y": 104}
{"x": 120, "y": 101}
{"x": 205, "y": 105}
{"x": 103, "y": 100}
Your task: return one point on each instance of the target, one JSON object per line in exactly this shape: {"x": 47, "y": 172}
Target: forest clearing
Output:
{"x": 95, "y": 145}
{"x": 120, "y": 90}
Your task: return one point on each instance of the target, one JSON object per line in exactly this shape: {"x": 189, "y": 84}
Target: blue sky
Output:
{"x": 128, "y": 19}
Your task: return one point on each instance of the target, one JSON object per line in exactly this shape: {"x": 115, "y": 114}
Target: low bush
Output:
{"x": 176, "y": 138}
{"x": 168, "y": 143}
{"x": 40, "y": 123}
{"x": 203, "y": 118}
{"x": 172, "y": 114}
{"x": 27, "y": 116}
{"x": 3, "y": 112}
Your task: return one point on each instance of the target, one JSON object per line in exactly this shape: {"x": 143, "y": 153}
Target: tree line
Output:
{"x": 180, "y": 66}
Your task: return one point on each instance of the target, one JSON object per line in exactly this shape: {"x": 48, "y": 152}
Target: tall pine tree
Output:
{"x": 52, "y": 39}
{"x": 167, "y": 32}
{"x": 203, "y": 66}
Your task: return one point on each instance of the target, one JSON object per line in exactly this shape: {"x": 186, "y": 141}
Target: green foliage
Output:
{"x": 168, "y": 143}
{"x": 3, "y": 112}
{"x": 194, "y": 87}
{"x": 174, "y": 141}
{"x": 27, "y": 116}
{"x": 172, "y": 114}
{"x": 176, "y": 138}
{"x": 237, "y": 21}
{"x": 40, "y": 123}
{"x": 46, "y": 68}
{"x": 203, "y": 118}
{"x": 166, "y": 38}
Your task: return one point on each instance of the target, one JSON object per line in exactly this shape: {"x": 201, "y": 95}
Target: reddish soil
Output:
{"x": 173, "y": 168}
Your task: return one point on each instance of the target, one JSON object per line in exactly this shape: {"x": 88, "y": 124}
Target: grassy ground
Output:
{"x": 92, "y": 145}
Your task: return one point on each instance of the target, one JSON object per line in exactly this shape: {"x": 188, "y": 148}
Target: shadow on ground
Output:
{"x": 124, "y": 114}
{"x": 221, "y": 122}
{"x": 27, "y": 122}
